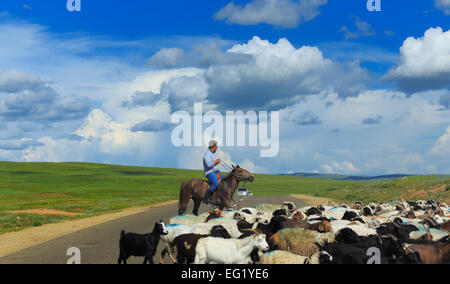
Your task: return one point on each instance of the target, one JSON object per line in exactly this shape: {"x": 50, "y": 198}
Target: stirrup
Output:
{"x": 208, "y": 198}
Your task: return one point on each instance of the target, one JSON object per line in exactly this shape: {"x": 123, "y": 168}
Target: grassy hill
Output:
{"x": 348, "y": 177}
{"x": 93, "y": 189}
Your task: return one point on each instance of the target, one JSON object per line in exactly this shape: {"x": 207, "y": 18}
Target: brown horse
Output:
{"x": 195, "y": 189}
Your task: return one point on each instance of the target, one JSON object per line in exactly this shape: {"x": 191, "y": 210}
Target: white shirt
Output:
{"x": 208, "y": 162}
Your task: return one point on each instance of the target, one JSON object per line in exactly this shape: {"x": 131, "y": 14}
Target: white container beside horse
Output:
{"x": 242, "y": 193}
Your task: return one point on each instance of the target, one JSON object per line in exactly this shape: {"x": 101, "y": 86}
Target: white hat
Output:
{"x": 212, "y": 143}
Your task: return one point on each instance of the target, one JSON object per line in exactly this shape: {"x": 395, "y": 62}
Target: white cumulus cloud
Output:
{"x": 279, "y": 13}
{"x": 442, "y": 146}
{"x": 424, "y": 62}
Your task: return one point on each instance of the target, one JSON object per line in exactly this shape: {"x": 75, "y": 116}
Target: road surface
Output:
{"x": 100, "y": 244}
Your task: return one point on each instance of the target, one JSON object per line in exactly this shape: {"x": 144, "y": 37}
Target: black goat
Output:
{"x": 349, "y": 215}
{"x": 145, "y": 245}
{"x": 280, "y": 212}
{"x": 400, "y": 231}
{"x": 358, "y": 254}
{"x": 313, "y": 211}
{"x": 367, "y": 211}
{"x": 388, "y": 246}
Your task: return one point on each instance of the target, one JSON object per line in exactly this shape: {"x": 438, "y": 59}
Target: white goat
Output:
{"x": 187, "y": 219}
{"x": 284, "y": 257}
{"x": 229, "y": 224}
{"x": 228, "y": 251}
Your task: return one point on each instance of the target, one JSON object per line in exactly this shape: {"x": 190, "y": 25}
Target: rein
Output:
{"x": 226, "y": 166}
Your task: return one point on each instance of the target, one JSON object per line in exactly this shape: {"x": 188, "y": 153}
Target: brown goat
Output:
{"x": 184, "y": 247}
{"x": 446, "y": 226}
{"x": 321, "y": 227}
{"x": 411, "y": 215}
{"x": 298, "y": 215}
{"x": 214, "y": 215}
{"x": 438, "y": 253}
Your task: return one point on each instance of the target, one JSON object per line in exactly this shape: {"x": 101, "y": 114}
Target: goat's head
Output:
{"x": 160, "y": 228}
{"x": 260, "y": 242}
{"x": 299, "y": 215}
{"x": 325, "y": 227}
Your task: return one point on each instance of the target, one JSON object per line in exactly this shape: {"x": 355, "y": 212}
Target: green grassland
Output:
{"x": 94, "y": 189}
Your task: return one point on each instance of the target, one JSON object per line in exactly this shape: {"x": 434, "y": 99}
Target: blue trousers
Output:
{"x": 212, "y": 177}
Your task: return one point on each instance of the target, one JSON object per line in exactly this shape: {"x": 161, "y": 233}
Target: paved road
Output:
{"x": 100, "y": 244}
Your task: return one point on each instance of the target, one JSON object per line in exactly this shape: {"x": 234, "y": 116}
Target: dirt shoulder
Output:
{"x": 26, "y": 238}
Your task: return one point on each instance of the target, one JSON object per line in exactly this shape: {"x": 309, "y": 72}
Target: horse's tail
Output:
{"x": 181, "y": 193}
{"x": 183, "y": 200}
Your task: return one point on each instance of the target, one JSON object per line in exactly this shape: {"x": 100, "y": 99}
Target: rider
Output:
{"x": 209, "y": 165}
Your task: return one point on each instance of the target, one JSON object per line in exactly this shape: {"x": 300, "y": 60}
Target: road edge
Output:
{"x": 13, "y": 242}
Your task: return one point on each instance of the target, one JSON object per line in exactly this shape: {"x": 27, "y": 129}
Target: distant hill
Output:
{"x": 346, "y": 177}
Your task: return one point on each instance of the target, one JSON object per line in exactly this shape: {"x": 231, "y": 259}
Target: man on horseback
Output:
{"x": 209, "y": 165}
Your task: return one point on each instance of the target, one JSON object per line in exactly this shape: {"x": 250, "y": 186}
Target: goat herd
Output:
{"x": 393, "y": 232}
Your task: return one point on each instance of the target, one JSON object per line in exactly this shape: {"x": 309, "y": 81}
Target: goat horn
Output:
{"x": 392, "y": 237}
{"x": 381, "y": 239}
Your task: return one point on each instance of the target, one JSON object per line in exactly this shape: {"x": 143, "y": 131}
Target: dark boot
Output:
{"x": 208, "y": 196}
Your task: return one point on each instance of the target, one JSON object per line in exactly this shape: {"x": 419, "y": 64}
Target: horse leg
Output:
{"x": 227, "y": 202}
{"x": 183, "y": 202}
{"x": 197, "y": 203}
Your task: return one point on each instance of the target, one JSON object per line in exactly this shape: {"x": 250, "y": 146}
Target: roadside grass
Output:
{"x": 15, "y": 222}
{"x": 95, "y": 189}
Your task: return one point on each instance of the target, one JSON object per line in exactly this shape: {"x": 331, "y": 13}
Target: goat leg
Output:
{"x": 170, "y": 251}
{"x": 163, "y": 254}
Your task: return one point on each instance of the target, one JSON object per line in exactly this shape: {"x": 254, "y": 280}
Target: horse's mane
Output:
{"x": 230, "y": 174}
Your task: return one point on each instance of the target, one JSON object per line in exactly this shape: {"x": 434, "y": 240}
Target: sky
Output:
{"x": 358, "y": 92}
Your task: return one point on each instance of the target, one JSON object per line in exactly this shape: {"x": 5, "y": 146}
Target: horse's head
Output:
{"x": 242, "y": 175}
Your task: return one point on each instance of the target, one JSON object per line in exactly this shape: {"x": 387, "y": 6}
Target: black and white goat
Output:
{"x": 139, "y": 245}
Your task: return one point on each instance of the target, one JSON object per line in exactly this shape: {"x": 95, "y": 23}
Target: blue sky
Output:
{"x": 359, "y": 92}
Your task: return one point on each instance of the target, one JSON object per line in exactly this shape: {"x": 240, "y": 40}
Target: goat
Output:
{"x": 357, "y": 254}
{"x": 280, "y": 212}
{"x": 213, "y": 215}
{"x": 289, "y": 206}
{"x": 438, "y": 253}
{"x": 282, "y": 222}
{"x": 349, "y": 215}
{"x": 446, "y": 226}
{"x": 228, "y": 251}
{"x": 367, "y": 211}
{"x": 177, "y": 230}
{"x": 313, "y": 211}
{"x": 400, "y": 231}
{"x": 145, "y": 245}
{"x": 284, "y": 257}
{"x": 299, "y": 215}
{"x": 184, "y": 245}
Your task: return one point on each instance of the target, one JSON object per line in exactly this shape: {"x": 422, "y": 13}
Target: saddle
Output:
{"x": 218, "y": 177}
